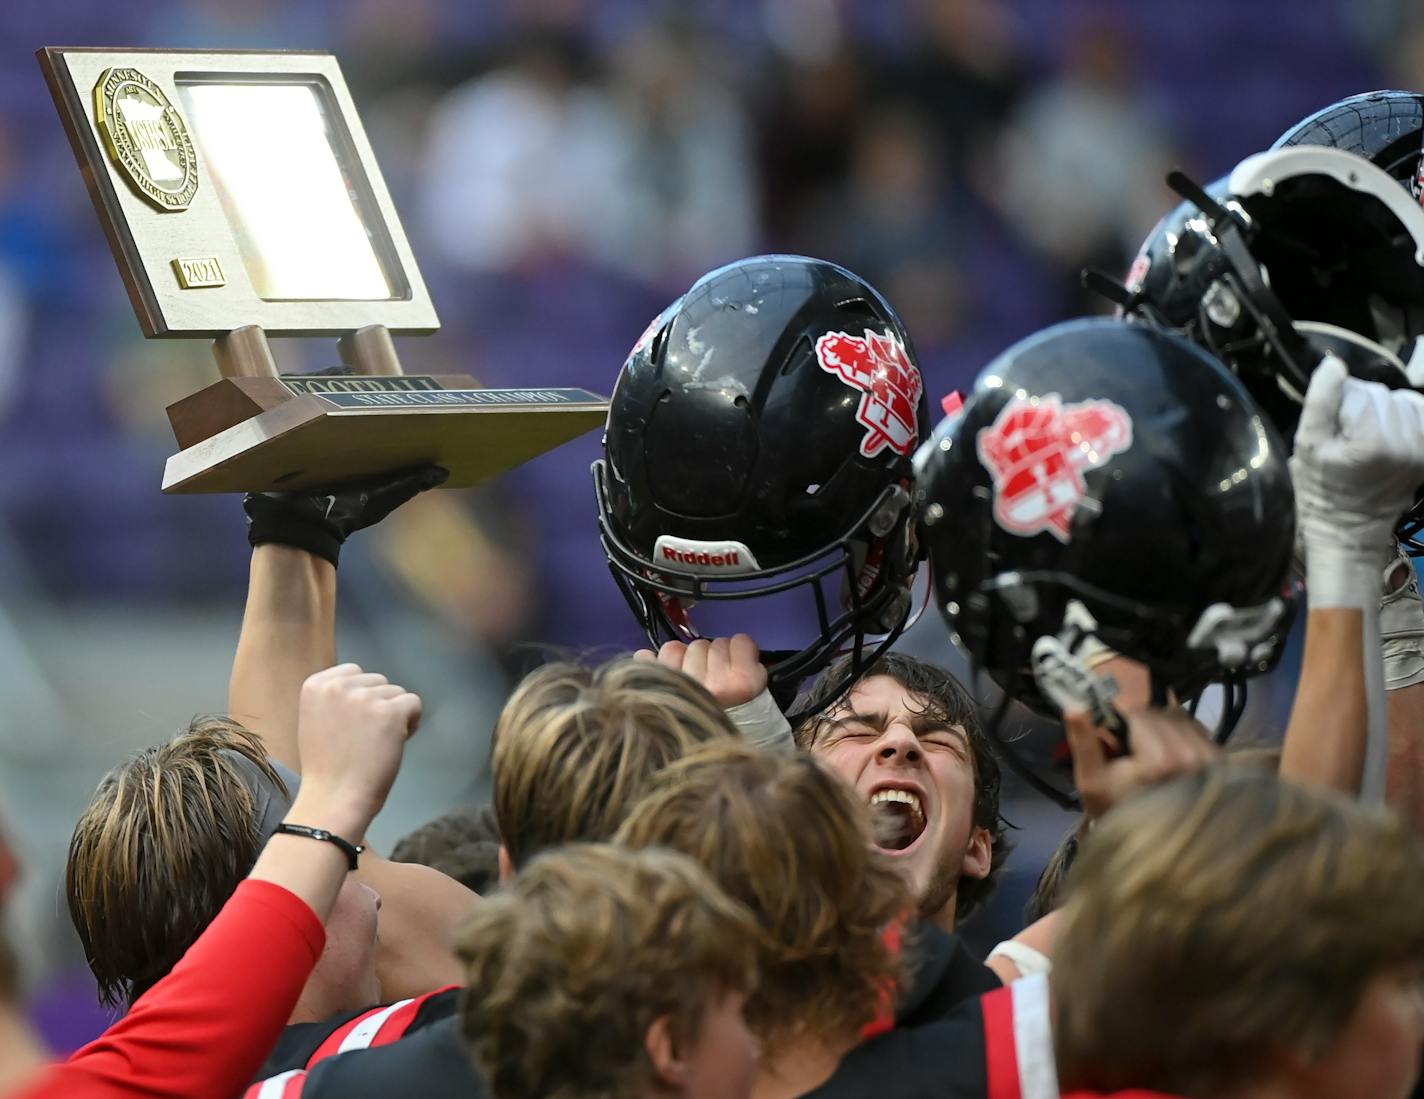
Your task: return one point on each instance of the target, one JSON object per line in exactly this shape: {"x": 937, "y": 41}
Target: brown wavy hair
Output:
{"x": 1219, "y": 917}
{"x": 570, "y": 963}
{"x": 786, "y": 838}
{"x": 575, "y": 747}
{"x": 165, "y": 840}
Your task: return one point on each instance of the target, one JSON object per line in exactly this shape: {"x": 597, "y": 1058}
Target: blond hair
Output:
{"x": 571, "y": 963}
{"x": 574, "y": 748}
{"x": 1221, "y": 916}
{"x": 786, "y": 838}
{"x": 164, "y": 842}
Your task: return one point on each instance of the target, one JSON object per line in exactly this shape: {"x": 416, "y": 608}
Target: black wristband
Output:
{"x": 351, "y": 849}
{"x": 270, "y": 519}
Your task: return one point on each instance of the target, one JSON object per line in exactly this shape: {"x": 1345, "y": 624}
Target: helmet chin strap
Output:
{"x": 783, "y": 689}
{"x": 1160, "y": 693}
{"x": 994, "y": 729}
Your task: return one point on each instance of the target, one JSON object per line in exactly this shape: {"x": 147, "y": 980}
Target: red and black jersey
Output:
{"x": 995, "y": 1047}
{"x": 999, "y": 1046}
{"x": 433, "y": 1063}
{"x": 303, "y": 1045}
{"x": 943, "y": 975}
{"x": 945, "y": 1039}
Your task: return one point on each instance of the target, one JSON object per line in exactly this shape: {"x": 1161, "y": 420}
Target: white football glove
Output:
{"x": 1359, "y": 457}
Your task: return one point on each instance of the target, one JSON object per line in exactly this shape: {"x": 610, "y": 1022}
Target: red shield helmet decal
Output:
{"x": 889, "y": 384}
{"x": 1036, "y": 452}
{"x": 1137, "y": 273}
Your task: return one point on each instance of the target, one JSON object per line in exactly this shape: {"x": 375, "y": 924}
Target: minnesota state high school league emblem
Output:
{"x": 145, "y": 136}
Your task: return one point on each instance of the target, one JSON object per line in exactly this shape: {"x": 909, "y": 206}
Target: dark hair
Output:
{"x": 946, "y": 698}
{"x": 462, "y": 844}
{"x": 1051, "y": 889}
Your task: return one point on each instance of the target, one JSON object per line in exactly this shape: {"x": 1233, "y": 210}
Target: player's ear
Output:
{"x": 668, "y": 1066}
{"x": 506, "y": 865}
{"x": 979, "y": 855}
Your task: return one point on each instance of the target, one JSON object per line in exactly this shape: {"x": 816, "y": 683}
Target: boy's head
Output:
{"x": 601, "y": 972}
{"x": 1229, "y": 928}
{"x": 575, "y": 748}
{"x": 786, "y": 838}
{"x": 907, "y": 739}
{"x": 165, "y": 841}
{"x": 462, "y": 844}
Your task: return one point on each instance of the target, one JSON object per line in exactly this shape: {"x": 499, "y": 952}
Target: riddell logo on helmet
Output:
{"x": 731, "y": 559}
{"x": 690, "y": 555}
{"x": 889, "y": 383}
{"x": 1036, "y": 453}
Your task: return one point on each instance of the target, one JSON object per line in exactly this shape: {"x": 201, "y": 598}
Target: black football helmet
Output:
{"x": 1384, "y": 127}
{"x": 759, "y": 441}
{"x": 1387, "y": 129}
{"x": 1300, "y": 251}
{"x": 1112, "y": 481}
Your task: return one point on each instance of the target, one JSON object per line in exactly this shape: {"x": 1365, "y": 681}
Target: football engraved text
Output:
{"x": 323, "y": 384}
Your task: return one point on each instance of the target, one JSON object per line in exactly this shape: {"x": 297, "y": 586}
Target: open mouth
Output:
{"x": 899, "y": 818}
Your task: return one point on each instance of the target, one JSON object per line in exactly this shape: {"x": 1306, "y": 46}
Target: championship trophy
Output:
{"x": 242, "y": 200}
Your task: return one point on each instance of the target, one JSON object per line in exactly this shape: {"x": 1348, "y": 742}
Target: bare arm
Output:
{"x": 1402, "y": 642}
{"x": 1358, "y": 461}
{"x": 288, "y": 633}
{"x": 1405, "y": 786}
{"x": 1325, "y": 740}
{"x": 1037, "y": 939}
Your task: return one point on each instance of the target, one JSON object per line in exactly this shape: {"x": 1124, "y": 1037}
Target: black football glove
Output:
{"x": 319, "y": 520}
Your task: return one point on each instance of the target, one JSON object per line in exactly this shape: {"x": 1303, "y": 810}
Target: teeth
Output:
{"x": 903, "y": 797}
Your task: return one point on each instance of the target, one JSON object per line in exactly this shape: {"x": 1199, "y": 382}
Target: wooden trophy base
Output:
{"x": 259, "y": 434}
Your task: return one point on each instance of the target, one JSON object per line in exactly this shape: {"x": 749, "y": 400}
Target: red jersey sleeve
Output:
{"x": 205, "y": 1028}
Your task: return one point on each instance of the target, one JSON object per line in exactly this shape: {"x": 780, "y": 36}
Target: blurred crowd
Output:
{"x": 565, "y": 169}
